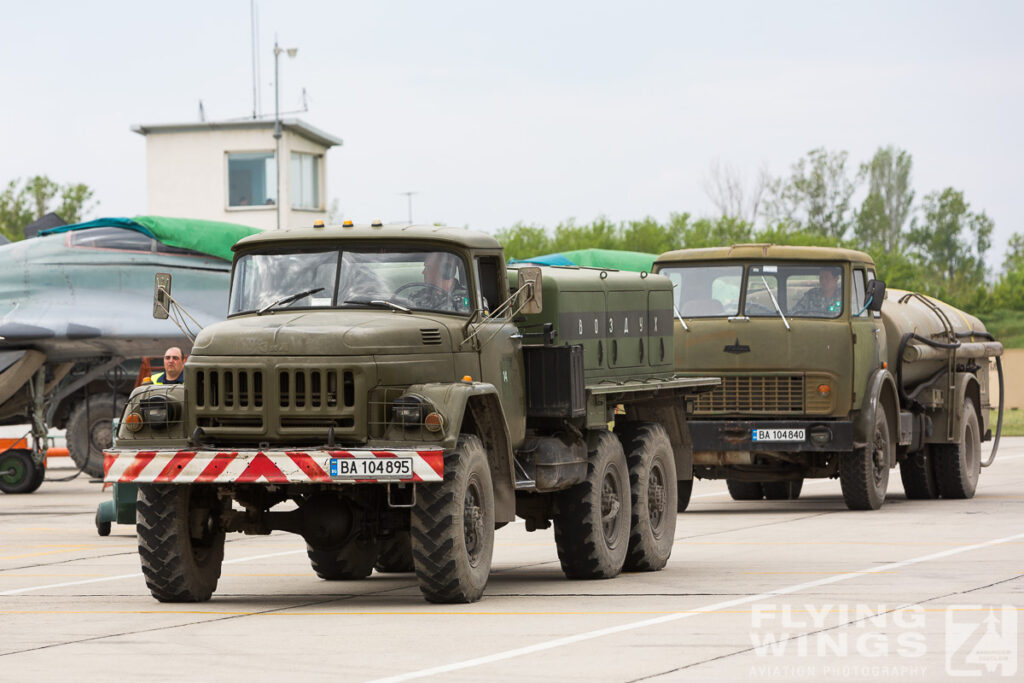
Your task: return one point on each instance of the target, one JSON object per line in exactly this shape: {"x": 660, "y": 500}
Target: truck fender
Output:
{"x": 879, "y": 394}
{"x": 475, "y": 408}
{"x": 967, "y": 387}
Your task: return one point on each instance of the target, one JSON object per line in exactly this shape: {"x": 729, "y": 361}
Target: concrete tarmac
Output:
{"x": 772, "y": 591}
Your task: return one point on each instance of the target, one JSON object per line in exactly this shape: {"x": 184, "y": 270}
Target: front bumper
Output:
{"x": 737, "y": 435}
{"x": 318, "y": 466}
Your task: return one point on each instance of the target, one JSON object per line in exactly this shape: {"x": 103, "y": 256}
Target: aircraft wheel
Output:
{"x": 18, "y": 472}
{"x": 87, "y": 441}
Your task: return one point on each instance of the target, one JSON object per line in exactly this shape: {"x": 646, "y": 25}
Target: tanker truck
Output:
{"x": 404, "y": 394}
{"x": 827, "y": 374}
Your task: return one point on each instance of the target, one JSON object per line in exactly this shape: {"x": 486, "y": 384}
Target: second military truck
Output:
{"x": 407, "y": 395}
{"x": 824, "y": 374}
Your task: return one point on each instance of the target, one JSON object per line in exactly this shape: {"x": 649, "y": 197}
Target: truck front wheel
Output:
{"x": 452, "y": 534}
{"x": 957, "y": 465}
{"x": 652, "y": 485}
{"x": 181, "y": 542}
{"x": 592, "y": 523}
{"x": 864, "y": 474}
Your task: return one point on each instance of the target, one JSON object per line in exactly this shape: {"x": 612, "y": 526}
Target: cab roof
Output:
{"x": 453, "y": 236}
{"x": 765, "y": 252}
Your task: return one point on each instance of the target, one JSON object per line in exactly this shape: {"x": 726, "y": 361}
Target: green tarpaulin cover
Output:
{"x": 207, "y": 237}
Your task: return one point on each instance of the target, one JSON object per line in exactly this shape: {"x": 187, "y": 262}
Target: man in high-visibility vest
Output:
{"x": 174, "y": 363}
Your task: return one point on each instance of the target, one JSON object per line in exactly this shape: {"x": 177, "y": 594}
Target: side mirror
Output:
{"x": 530, "y": 299}
{"x": 162, "y": 296}
{"x": 875, "y": 294}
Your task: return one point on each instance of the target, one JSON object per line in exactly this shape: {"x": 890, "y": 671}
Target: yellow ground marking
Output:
{"x": 68, "y": 549}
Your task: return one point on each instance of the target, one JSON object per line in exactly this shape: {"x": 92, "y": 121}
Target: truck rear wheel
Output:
{"x": 395, "y": 554}
{"x": 592, "y": 523}
{"x": 958, "y": 465}
{"x": 782, "y": 490}
{"x": 864, "y": 474}
{"x": 652, "y": 488}
{"x": 90, "y": 430}
{"x": 181, "y": 542}
{"x": 453, "y": 527}
{"x": 918, "y": 474}
{"x": 349, "y": 561}
{"x": 684, "y": 489}
{"x": 744, "y": 490}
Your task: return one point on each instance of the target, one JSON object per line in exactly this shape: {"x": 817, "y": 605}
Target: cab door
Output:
{"x": 501, "y": 345}
{"x": 867, "y": 332}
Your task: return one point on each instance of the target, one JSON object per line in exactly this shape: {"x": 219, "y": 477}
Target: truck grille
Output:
{"x": 229, "y": 388}
{"x": 754, "y": 394}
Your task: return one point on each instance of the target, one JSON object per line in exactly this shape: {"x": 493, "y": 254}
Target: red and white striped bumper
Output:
{"x": 272, "y": 467}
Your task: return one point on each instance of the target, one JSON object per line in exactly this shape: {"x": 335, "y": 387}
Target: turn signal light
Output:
{"x": 318, "y": 223}
{"x": 346, "y": 224}
{"x": 467, "y": 378}
{"x": 824, "y": 390}
{"x": 133, "y": 422}
{"x": 434, "y": 422}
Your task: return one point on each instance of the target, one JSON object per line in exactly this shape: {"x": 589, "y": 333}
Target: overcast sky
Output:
{"x": 529, "y": 111}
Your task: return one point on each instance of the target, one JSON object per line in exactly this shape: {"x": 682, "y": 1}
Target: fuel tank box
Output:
{"x": 622, "y": 319}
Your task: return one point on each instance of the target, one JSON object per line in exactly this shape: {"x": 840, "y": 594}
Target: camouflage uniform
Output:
{"x": 815, "y": 303}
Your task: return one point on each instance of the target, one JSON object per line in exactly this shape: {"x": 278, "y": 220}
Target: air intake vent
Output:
{"x": 431, "y": 337}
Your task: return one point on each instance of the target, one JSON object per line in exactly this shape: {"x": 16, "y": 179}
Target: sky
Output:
{"x": 533, "y": 111}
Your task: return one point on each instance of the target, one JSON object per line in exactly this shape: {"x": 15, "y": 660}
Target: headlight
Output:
{"x": 408, "y": 411}
{"x": 158, "y": 412}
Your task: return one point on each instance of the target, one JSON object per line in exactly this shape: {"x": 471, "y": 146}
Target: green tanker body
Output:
{"x": 408, "y": 395}
{"x": 825, "y": 374}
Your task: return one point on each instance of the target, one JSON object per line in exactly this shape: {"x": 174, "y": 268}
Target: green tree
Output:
{"x": 710, "y": 232}
{"x": 884, "y": 212}
{"x": 1008, "y": 291}
{"x": 523, "y": 241}
{"x": 23, "y": 202}
{"x": 601, "y": 234}
{"x": 952, "y": 239}
{"x": 816, "y": 196}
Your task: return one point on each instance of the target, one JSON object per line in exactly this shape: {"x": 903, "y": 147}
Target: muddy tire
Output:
{"x": 19, "y": 472}
{"x": 87, "y": 441}
{"x": 918, "y": 474}
{"x": 593, "y": 519}
{"x": 652, "y": 487}
{"x": 958, "y": 465}
{"x": 782, "y": 490}
{"x": 744, "y": 490}
{"x": 452, "y": 527}
{"x": 181, "y": 543}
{"x": 395, "y": 556}
{"x": 864, "y": 474}
{"x": 350, "y": 561}
{"x": 684, "y": 489}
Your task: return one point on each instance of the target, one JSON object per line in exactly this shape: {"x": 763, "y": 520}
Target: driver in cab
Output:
{"x": 441, "y": 291}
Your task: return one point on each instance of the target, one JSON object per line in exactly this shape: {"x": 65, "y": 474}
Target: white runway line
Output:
{"x": 590, "y": 635}
{"x": 16, "y": 591}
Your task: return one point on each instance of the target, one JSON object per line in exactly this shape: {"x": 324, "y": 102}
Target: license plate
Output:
{"x": 779, "y": 435}
{"x": 371, "y": 468}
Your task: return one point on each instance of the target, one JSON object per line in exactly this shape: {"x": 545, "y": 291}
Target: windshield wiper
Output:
{"x": 777, "y": 308}
{"x": 380, "y": 302}
{"x": 288, "y": 299}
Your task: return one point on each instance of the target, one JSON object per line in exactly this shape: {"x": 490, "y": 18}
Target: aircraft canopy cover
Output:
{"x": 207, "y": 237}
{"x": 596, "y": 258}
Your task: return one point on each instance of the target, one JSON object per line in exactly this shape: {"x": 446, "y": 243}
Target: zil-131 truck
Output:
{"x": 407, "y": 394}
{"x": 825, "y": 374}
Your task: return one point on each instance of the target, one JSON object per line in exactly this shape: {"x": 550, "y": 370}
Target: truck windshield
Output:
{"x": 351, "y": 278}
{"x": 803, "y": 291}
{"x": 706, "y": 291}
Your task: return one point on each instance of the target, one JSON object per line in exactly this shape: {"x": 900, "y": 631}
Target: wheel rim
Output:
{"x": 13, "y": 469}
{"x": 971, "y": 450}
{"x": 201, "y": 519}
{"x": 473, "y": 522}
{"x": 656, "y": 498}
{"x": 880, "y": 458}
{"x": 611, "y": 505}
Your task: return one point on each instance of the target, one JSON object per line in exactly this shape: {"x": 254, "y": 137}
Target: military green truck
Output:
{"x": 825, "y": 374}
{"x": 404, "y": 394}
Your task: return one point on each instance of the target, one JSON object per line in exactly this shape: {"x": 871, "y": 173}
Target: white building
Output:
{"x": 227, "y": 172}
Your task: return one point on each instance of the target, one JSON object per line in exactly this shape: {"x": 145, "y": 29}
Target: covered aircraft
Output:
{"x": 76, "y": 306}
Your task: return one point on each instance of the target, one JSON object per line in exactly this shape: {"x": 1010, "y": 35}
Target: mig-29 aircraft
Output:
{"x": 76, "y": 309}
